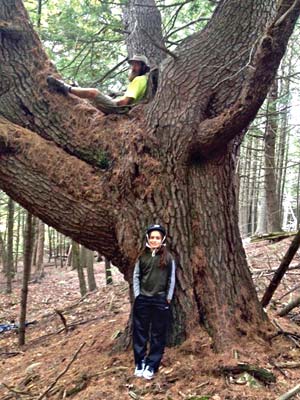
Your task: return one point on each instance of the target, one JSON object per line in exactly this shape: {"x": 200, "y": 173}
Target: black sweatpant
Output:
{"x": 150, "y": 316}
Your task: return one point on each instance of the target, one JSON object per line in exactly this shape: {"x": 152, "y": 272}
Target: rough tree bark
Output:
{"x": 101, "y": 180}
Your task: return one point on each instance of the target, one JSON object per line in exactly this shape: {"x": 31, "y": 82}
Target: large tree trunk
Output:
{"x": 101, "y": 180}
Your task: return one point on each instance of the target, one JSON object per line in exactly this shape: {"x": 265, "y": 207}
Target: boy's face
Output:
{"x": 135, "y": 69}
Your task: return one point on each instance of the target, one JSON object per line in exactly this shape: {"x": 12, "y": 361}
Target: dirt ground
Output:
{"x": 94, "y": 324}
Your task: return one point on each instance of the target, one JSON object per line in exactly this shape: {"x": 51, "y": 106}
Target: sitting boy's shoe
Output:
{"x": 139, "y": 369}
{"x": 58, "y": 85}
{"x": 148, "y": 372}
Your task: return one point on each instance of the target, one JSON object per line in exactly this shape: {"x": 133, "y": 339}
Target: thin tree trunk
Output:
{"x": 245, "y": 187}
{"x": 69, "y": 257}
{"x": 18, "y": 239}
{"x": 254, "y": 189}
{"x": 108, "y": 274}
{"x": 39, "y": 14}
{"x": 282, "y": 145}
{"x": 298, "y": 198}
{"x": 90, "y": 270}
{"x": 3, "y": 254}
{"x": 40, "y": 249}
{"x": 28, "y": 249}
{"x": 272, "y": 204}
{"x": 77, "y": 264}
{"x": 61, "y": 253}
{"x": 50, "y": 244}
{"x": 10, "y": 241}
{"x": 35, "y": 239}
{"x": 283, "y": 267}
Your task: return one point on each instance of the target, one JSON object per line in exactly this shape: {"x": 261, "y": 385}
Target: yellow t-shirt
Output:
{"x": 137, "y": 88}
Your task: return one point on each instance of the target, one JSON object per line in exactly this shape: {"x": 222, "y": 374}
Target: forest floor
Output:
{"x": 189, "y": 371}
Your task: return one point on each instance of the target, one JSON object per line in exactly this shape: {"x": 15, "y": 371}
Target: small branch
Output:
{"x": 289, "y": 335}
{"x": 62, "y": 373}
{"x": 285, "y": 15}
{"x": 169, "y": 34}
{"x": 16, "y": 391}
{"x": 289, "y": 307}
{"x": 291, "y": 393}
{"x": 291, "y": 290}
{"x": 100, "y": 80}
{"x": 259, "y": 373}
{"x": 248, "y": 64}
{"x": 63, "y": 319}
{"x": 162, "y": 48}
{"x": 281, "y": 270}
{"x": 289, "y": 365}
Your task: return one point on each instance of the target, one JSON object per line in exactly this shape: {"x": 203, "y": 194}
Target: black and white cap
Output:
{"x": 156, "y": 227}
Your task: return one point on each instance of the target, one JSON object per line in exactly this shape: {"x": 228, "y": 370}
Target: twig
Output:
{"x": 284, "y": 265}
{"x": 162, "y": 48}
{"x": 16, "y": 391}
{"x": 62, "y": 373}
{"x": 290, "y": 291}
{"x": 279, "y": 367}
{"x": 103, "y": 77}
{"x": 63, "y": 319}
{"x": 290, "y": 393}
{"x": 289, "y": 335}
{"x": 289, "y": 365}
{"x": 289, "y": 307}
{"x": 283, "y": 17}
{"x": 10, "y": 353}
{"x": 248, "y": 64}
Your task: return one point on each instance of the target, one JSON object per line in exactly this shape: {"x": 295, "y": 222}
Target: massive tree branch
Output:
{"x": 63, "y": 191}
{"x": 214, "y": 134}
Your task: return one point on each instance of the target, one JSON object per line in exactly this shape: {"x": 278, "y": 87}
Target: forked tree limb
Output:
{"x": 61, "y": 374}
{"x": 281, "y": 270}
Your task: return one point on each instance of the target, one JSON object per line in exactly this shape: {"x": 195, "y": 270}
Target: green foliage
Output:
{"x": 85, "y": 38}
{"x": 102, "y": 159}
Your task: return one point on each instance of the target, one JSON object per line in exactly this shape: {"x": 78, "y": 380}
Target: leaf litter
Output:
{"x": 95, "y": 325}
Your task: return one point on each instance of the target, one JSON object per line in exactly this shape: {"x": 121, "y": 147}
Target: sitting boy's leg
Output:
{"x": 58, "y": 85}
{"x": 99, "y": 100}
{"x": 62, "y": 87}
{"x": 107, "y": 105}
{"x": 84, "y": 93}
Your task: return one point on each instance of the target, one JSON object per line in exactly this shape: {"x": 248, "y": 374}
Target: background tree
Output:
{"x": 28, "y": 248}
{"x": 172, "y": 161}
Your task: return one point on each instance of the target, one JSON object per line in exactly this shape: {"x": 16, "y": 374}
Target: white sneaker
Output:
{"x": 148, "y": 372}
{"x": 139, "y": 369}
